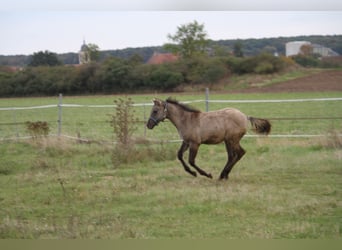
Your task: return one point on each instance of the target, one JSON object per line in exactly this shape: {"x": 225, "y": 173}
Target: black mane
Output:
{"x": 182, "y": 105}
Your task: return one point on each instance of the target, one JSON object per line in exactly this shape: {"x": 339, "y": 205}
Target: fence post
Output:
{"x": 206, "y": 99}
{"x": 60, "y": 102}
{"x": 16, "y": 124}
{"x": 144, "y": 119}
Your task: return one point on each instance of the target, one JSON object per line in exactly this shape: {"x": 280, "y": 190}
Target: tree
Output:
{"x": 238, "y": 49}
{"x": 93, "y": 51}
{"x": 164, "y": 78}
{"x": 190, "y": 39}
{"x": 89, "y": 53}
{"x": 114, "y": 74}
{"x": 135, "y": 59}
{"x": 45, "y": 58}
{"x": 306, "y": 50}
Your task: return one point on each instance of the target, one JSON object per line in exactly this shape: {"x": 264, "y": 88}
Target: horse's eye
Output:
{"x": 155, "y": 112}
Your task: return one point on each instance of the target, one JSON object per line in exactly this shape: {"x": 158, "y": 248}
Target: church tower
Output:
{"x": 83, "y": 54}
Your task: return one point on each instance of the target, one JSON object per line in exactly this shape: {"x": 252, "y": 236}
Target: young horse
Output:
{"x": 196, "y": 127}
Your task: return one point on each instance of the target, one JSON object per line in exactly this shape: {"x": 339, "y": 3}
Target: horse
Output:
{"x": 227, "y": 125}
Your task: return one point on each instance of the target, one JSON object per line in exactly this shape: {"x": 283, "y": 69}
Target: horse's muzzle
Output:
{"x": 151, "y": 123}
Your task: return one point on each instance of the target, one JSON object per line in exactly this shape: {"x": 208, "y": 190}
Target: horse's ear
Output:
{"x": 157, "y": 101}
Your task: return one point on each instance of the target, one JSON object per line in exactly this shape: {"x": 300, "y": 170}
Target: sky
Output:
{"x": 28, "y": 28}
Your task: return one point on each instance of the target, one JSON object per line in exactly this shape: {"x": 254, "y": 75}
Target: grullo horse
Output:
{"x": 227, "y": 125}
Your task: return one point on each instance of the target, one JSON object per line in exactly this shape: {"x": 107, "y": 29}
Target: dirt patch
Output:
{"x": 320, "y": 82}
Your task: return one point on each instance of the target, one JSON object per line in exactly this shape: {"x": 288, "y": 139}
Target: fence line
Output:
{"x": 85, "y": 140}
{"x": 187, "y": 102}
{"x": 207, "y": 101}
{"x": 31, "y": 107}
{"x": 276, "y": 101}
{"x": 304, "y": 118}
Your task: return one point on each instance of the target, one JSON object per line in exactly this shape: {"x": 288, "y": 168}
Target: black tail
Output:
{"x": 260, "y": 126}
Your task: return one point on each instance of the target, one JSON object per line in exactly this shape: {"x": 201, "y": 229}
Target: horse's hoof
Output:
{"x": 210, "y": 176}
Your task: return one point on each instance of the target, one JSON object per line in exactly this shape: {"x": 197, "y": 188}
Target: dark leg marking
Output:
{"x": 181, "y": 151}
{"x": 192, "y": 156}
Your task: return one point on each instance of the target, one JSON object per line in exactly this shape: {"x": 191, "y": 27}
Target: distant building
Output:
{"x": 294, "y": 48}
{"x": 323, "y": 51}
{"x": 159, "y": 58}
{"x": 83, "y": 54}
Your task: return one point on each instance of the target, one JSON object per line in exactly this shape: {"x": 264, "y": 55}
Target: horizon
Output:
{"x": 147, "y": 46}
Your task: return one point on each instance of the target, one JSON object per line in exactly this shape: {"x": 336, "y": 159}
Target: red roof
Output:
{"x": 159, "y": 58}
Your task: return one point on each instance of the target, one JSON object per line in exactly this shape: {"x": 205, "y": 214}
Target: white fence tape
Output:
{"x": 276, "y": 101}
{"x": 168, "y": 141}
{"x": 27, "y": 108}
{"x": 187, "y": 102}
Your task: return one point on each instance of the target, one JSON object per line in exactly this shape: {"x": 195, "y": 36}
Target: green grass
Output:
{"x": 282, "y": 188}
{"x": 60, "y": 189}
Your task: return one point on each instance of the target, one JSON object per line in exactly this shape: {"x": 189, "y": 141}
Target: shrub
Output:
{"x": 127, "y": 150}
{"x": 261, "y": 64}
{"x": 163, "y": 78}
{"x": 213, "y": 70}
{"x": 203, "y": 69}
{"x": 37, "y": 129}
{"x": 264, "y": 68}
{"x": 306, "y": 61}
{"x": 123, "y": 121}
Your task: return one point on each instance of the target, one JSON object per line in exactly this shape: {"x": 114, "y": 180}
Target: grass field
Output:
{"x": 282, "y": 188}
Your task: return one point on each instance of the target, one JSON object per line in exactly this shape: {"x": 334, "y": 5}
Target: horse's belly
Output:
{"x": 213, "y": 138}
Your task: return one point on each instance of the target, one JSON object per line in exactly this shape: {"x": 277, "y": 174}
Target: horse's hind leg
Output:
{"x": 181, "y": 151}
{"x": 192, "y": 156}
{"x": 235, "y": 153}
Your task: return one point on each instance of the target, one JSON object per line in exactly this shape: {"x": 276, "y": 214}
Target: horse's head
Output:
{"x": 158, "y": 113}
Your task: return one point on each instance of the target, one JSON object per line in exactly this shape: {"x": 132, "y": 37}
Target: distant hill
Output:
{"x": 249, "y": 47}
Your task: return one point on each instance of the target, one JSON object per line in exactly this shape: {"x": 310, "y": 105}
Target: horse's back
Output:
{"x": 228, "y": 116}
{"x": 217, "y": 126}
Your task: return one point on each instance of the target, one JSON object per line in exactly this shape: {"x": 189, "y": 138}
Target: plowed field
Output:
{"x": 319, "y": 82}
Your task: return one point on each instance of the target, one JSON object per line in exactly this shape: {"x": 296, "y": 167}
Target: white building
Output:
{"x": 323, "y": 51}
{"x": 293, "y": 48}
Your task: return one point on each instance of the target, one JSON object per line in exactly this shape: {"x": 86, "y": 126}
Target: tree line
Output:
{"x": 117, "y": 75}
{"x": 131, "y": 75}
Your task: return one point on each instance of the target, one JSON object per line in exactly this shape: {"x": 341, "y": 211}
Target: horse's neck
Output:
{"x": 178, "y": 116}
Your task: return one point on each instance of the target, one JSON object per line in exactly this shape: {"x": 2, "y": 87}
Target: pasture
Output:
{"x": 282, "y": 188}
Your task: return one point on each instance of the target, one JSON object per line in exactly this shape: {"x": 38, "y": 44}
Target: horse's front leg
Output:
{"x": 192, "y": 155}
{"x": 181, "y": 151}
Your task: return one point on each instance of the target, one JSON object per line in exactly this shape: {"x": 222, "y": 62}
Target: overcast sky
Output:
{"x": 26, "y": 28}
